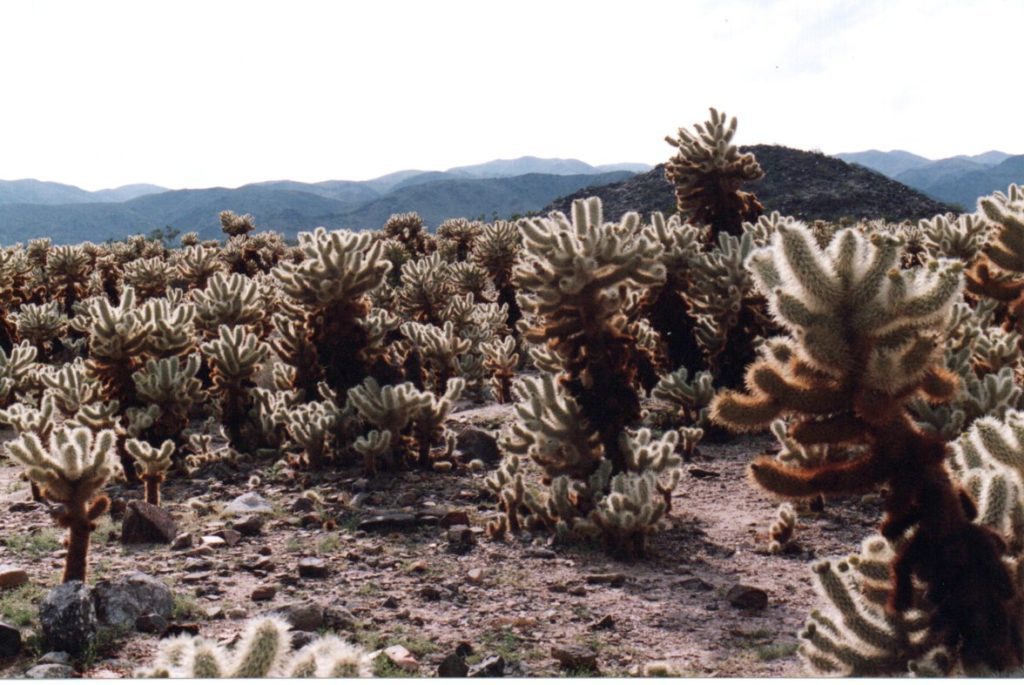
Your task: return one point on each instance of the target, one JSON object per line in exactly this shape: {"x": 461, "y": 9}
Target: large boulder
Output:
{"x": 145, "y": 524}
{"x": 68, "y": 618}
{"x": 121, "y": 602}
{"x": 474, "y": 443}
{"x": 10, "y": 641}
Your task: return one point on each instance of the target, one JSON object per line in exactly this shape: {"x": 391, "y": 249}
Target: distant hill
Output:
{"x": 806, "y": 185}
{"x": 290, "y": 206}
{"x": 958, "y": 180}
{"x": 31, "y": 191}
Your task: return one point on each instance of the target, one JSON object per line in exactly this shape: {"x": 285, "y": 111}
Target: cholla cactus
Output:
{"x": 998, "y": 273}
{"x": 229, "y": 300}
{"x": 866, "y": 337}
{"x": 331, "y": 284}
{"x": 311, "y": 426}
{"x": 691, "y": 399}
{"x": 438, "y": 348}
{"x": 117, "y": 339}
{"x": 960, "y": 237}
{"x": 150, "y": 277}
{"x": 234, "y": 225}
{"x": 71, "y": 470}
{"x": 456, "y": 238}
{"x": 496, "y": 250}
{"x": 707, "y": 173}
{"x": 264, "y": 651}
{"x": 42, "y": 326}
{"x": 197, "y": 264}
{"x": 409, "y": 231}
{"x": 153, "y": 465}
{"x": 426, "y": 288}
{"x": 501, "y": 360}
{"x": 391, "y": 409}
{"x": 782, "y": 530}
{"x": 428, "y": 423}
{"x": 235, "y": 355}
{"x": 171, "y": 387}
{"x": 575, "y": 278}
{"x": 14, "y": 368}
{"x": 68, "y": 273}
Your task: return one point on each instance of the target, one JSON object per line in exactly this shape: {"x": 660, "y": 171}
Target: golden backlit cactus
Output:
{"x": 999, "y": 273}
{"x": 229, "y": 300}
{"x": 68, "y": 273}
{"x": 197, "y": 264}
{"x": 235, "y": 356}
{"x": 117, "y": 339}
{"x": 496, "y": 250}
{"x": 153, "y": 464}
{"x": 234, "y": 225}
{"x": 501, "y": 360}
{"x": 408, "y": 229}
{"x": 149, "y": 277}
{"x": 438, "y": 348}
{"x": 171, "y": 386}
{"x": 426, "y": 289}
{"x": 707, "y": 172}
{"x": 864, "y": 338}
{"x": 331, "y": 284}
{"x": 41, "y": 325}
{"x": 961, "y": 237}
{"x": 456, "y": 238}
{"x": 71, "y": 469}
{"x": 391, "y": 409}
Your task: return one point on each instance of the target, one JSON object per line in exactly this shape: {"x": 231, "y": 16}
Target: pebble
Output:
{"x": 575, "y": 658}
{"x": 747, "y": 597}
{"x": 264, "y": 593}
{"x": 151, "y": 623}
{"x": 249, "y": 525}
{"x": 237, "y": 613}
{"x": 12, "y": 576}
{"x": 183, "y": 541}
{"x": 460, "y": 539}
{"x": 401, "y": 657}
{"x": 312, "y": 567}
{"x": 475, "y": 576}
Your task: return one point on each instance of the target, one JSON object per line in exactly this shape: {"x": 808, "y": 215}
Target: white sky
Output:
{"x": 195, "y": 94}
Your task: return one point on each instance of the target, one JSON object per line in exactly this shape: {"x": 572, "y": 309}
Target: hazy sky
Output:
{"x": 194, "y": 94}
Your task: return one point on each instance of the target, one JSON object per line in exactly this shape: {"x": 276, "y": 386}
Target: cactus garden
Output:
{"x": 719, "y": 441}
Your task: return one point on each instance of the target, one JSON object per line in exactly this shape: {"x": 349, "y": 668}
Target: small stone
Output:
{"x": 455, "y": 518}
{"x": 62, "y": 658}
{"x": 491, "y": 667}
{"x": 68, "y": 618}
{"x": 695, "y": 585}
{"x": 575, "y": 658}
{"x": 312, "y": 567}
{"x": 401, "y": 657}
{"x": 385, "y": 523}
{"x": 608, "y": 621}
{"x": 213, "y": 541}
{"x": 613, "y": 579}
{"x": 539, "y": 553}
{"x": 453, "y": 666}
{"x": 231, "y": 537}
{"x": 214, "y": 612}
{"x": 460, "y": 539}
{"x": 301, "y": 638}
{"x": 204, "y": 551}
{"x": 10, "y": 641}
{"x": 303, "y": 505}
{"x": 237, "y": 613}
{"x": 698, "y": 472}
{"x": 151, "y": 623}
{"x": 431, "y": 593}
{"x": 264, "y": 593}
{"x": 249, "y": 525}
{"x": 12, "y": 576}
{"x": 360, "y": 485}
{"x": 747, "y": 597}
{"x": 183, "y": 541}
{"x": 407, "y": 499}
{"x": 475, "y": 576}
{"x": 390, "y": 602}
{"x": 418, "y": 566}
{"x": 50, "y": 672}
{"x": 576, "y": 590}
{"x": 23, "y": 506}
{"x": 193, "y": 565}
{"x": 249, "y": 503}
{"x": 473, "y": 443}
{"x": 301, "y": 616}
{"x": 147, "y": 524}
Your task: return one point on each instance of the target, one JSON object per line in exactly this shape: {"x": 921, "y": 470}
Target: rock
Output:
{"x": 431, "y": 593}
{"x": 203, "y": 551}
{"x": 68, "y": 618}
{"x": 62, "y": 658}
{"x": 183, "y": 541}
{"x": 401, "y": 657}
{"x": 575, "y": 658}
{"x": 237, "y": 613}
{"x": 10, "y": 641}
{"x": 230, "y": 536}
{"x": 360, "y": 485}
{"x": 303, "y": 505}
{"x": 23, "y": 506}
{"x": 301, "y": 616}
{"x": 453, "y": 666}
{"x": 460, "y": 539}
{"x": 386, "y": 523}
{"x": 613, "y": 579}
{"x": 50, "y": 672}
{"x": 339, "y": 619}
{"x": 213, "y": 541}
{"x": 695, "y": 584}
{"x": 407, "y": 499}
{"x": 151, "y": 623}
{"x": 475, "y": 576}
{"x": 146, "y": 524}
{"x": 12, "y": 576}
{"x": 249, "y": 503}
{"x": 390, "y": 602}
{"x": 539, "y": 553}
{"x": 301, "y": 638}
{"x": 474, "y": 443}
{"x": 698, "y": 472}
{"x": 455, "y": 518}
{"x": 312, "y": 567}
{"x": 180, "y": 629}
{"x": 747, "y": 597}
{"x": 120, "y": 603}
{"x": 491, "y": 667}
{"x": 249, "y": 525}
{"x": 264, "y": 593}
{"x": 608, "y": 621}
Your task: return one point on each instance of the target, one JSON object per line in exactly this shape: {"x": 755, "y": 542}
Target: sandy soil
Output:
{"x": 409, "y": 588}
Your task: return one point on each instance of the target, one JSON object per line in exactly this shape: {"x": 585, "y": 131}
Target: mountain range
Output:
{"x": 496, "y": 189}
{"x": 805, "y": 185}
{"x": 958, "y": 180}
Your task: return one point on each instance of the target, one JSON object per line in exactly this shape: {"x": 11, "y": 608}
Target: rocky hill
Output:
{"x": 806, "y": 185}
